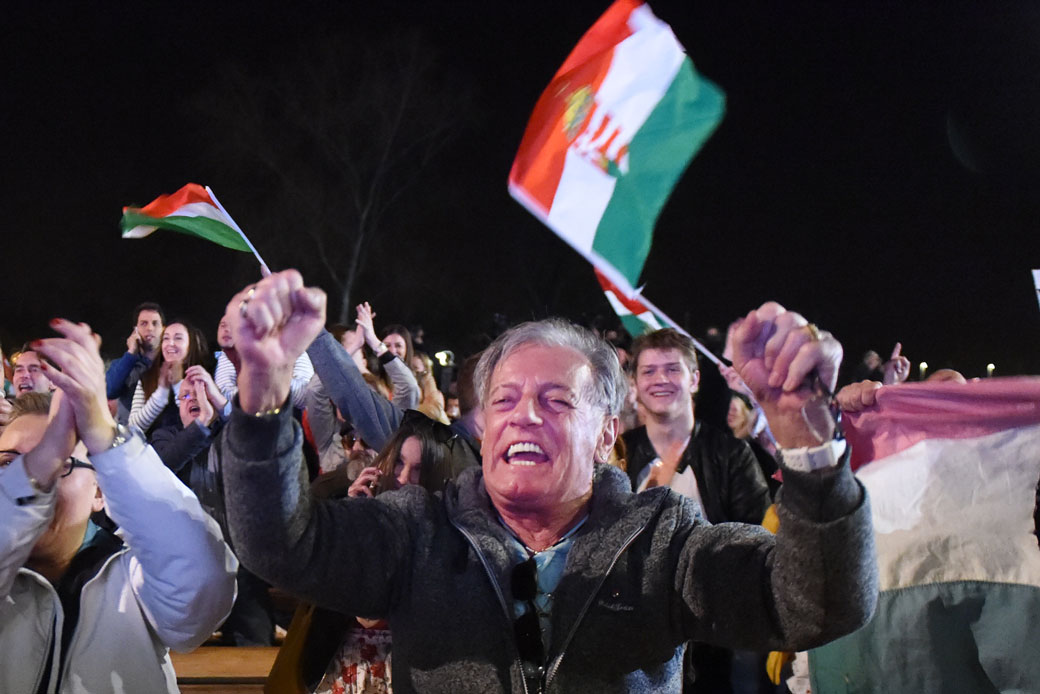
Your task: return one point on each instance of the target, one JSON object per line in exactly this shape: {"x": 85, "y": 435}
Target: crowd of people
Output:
{"x": 557, "y": 513}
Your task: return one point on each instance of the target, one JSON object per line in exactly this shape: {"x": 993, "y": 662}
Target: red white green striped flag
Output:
{"x": 192, "y": 210}
{"x": 636, "y": 316}
{"x": 952, "y": 473}
{"x": 610, "y": 136}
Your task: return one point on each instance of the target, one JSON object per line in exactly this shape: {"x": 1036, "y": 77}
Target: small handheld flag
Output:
{"x": 192, "y": 210}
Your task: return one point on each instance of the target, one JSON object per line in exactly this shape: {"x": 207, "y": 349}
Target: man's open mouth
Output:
{"x": 526, "y": 453}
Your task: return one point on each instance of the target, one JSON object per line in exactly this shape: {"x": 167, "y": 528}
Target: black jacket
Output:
{"x": 728, "y": 476}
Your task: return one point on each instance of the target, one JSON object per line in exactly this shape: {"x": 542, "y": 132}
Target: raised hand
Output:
{"x": 365, "y": 314}
{"x": 81, "y": 379}
{"x": 44, "y": 461}
{"x": 206, "y": 411}
{"x": 273, "y": 322}
{"x": 199, "y": 376}
{"x": 787, "y": 363}
{"x": 365, "y": 484}
{"x": 133, "y": 343}
{"x": 897, "y": 368}
{"x": 858, "y": 396}
{"x": 167, "y": 374}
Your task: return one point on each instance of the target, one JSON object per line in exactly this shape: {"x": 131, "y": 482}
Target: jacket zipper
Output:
{"x": 498, "y": 592}
{"x": 588, "y": 603}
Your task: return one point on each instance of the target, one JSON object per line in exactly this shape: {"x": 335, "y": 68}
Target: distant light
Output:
{"x": 922, "y": 368}
{"x": 445, "y": 357}
{"x": 989, "y": 369}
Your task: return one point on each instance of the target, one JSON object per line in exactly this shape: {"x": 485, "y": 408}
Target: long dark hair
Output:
{"x": 198, "y": 349}
{"x": 434, "y": 467}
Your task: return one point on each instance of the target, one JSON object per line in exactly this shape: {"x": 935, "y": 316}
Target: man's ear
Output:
{"x": 99, "y": 500}
{"x": 607, "y": 438}
{"x": 695, "y": 380}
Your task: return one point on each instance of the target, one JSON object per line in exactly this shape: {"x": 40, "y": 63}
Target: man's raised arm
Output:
{"x": 818, "y": 580}
{"x": 278, "y": 532}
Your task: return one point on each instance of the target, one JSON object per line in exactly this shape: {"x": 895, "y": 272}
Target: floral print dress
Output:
{"x": 361, "y": 665}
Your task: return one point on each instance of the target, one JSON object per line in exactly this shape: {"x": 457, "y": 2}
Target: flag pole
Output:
{"x": 621, "y": 282}
{"x": 264, "y": 270}
{"x": 696, "y": 343}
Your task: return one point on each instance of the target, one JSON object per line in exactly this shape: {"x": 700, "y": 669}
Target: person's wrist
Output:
{"x": 263, "y": 390}
{"x": 99, "y": 437}
{"x": 43, "y": 463}
{"x": 792, "y": 430}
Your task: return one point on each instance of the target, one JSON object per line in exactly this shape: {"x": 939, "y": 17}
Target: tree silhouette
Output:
{"x": 325, "y": 143}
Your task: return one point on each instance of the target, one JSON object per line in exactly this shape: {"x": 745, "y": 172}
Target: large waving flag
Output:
{"x": 610, "y": 136}
{"x": 192, "y": 210}
{"x": 952, "y": 472}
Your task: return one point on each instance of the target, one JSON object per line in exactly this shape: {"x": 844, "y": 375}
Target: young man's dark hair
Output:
{"x": 149, "y": 306}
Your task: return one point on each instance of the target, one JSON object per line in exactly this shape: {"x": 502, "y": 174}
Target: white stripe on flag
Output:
{"x": 192, "y": 209}
{"x": 957, "y": 510}
{"x": 642, "y": 70}
{"x": 581, "y": 198}
{"x": 615, "y": 303}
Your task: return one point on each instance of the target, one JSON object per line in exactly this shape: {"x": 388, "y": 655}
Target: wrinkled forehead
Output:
{"x": 542, "y": 365}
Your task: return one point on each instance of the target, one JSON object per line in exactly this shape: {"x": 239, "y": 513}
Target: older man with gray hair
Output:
{"x": 542, "y": 571}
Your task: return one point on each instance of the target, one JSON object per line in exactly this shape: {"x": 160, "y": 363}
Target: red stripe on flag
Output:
{"x": 165, "y": 205}
{"x": 633, "y": 305}
{"x": 608, "y": 31}
{"x": 540, "y": 159}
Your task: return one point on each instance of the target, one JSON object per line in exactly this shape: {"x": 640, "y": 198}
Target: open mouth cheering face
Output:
{"x": 542, "y": 434}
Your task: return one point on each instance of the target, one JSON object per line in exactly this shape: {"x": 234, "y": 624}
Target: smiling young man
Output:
{"x": 675, "y": 449}
{"x": 542, "y": 570}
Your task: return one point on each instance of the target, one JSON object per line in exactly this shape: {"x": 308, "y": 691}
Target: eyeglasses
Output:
{"x": 71, "y": 464}
{"x": 8, "y": 456}
{"x": 526, "y": 628}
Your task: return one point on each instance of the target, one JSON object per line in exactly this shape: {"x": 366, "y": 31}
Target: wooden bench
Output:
{"x": 212, "y": 669}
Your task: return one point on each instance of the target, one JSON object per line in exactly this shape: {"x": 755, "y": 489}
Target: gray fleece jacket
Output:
{"x": 646, "y": 572}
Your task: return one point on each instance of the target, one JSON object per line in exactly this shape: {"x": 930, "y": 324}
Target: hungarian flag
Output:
{"x": 610, "y": 136}
{"x": 952, "y": 472}
{"x": 191, "y": 210}
{"x": 636, "y": 316}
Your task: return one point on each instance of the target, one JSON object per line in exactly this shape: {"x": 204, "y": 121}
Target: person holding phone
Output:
{"x": 142, "y": 347}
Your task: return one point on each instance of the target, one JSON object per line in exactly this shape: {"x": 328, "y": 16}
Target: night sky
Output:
{"x": 876, "y": 169}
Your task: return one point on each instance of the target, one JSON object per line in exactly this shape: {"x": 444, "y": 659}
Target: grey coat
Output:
{"x": 646, "y": 572}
